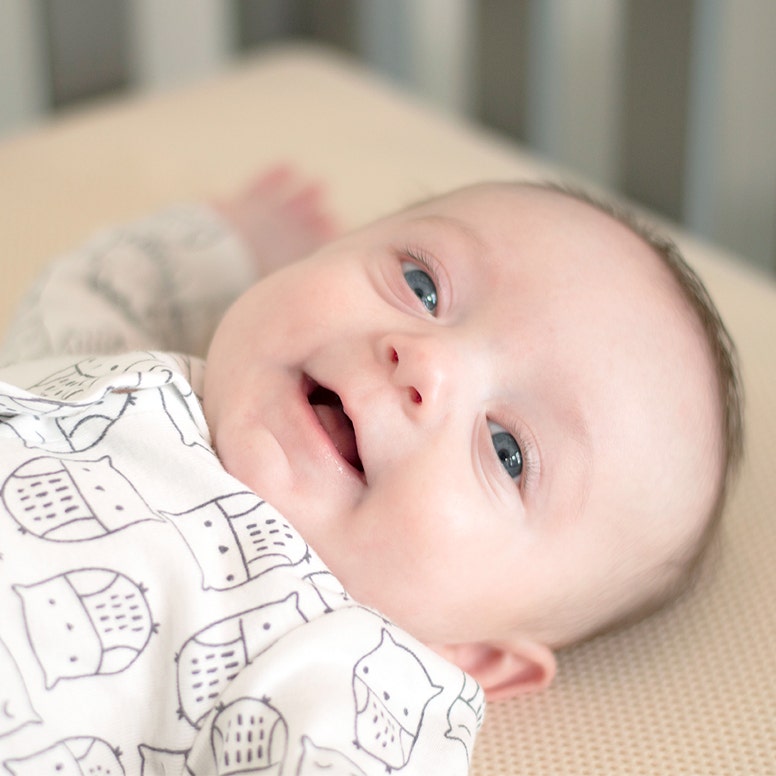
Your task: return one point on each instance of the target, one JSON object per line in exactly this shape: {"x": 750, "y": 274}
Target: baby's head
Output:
{"x": 504, "y": 417}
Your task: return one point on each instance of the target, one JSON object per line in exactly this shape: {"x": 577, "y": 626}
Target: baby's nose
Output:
{"x": 422, "y": 370}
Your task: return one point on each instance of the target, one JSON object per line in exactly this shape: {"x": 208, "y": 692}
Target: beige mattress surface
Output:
{"x": 691, "y": 691}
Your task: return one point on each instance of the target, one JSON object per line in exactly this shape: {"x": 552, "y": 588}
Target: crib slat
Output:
{"x": 178, "y": 40}
{"x": 22, "y": 85}
{"x": 730, "y": 194}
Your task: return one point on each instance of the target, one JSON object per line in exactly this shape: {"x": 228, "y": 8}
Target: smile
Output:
{"x": 328, "y": 408}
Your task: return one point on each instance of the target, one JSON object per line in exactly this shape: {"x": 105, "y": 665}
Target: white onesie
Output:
{"x": 156, "y": 616}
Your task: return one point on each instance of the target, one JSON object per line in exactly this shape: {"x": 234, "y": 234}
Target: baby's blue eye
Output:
{"x": 421, "y": 284}
{"x": 507, "y": 450}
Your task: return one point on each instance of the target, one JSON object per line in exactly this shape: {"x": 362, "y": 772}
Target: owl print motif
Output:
{"x": 66, "y": 413}
{"x": 322, "y": 761}
{"x": 249, "y": 736}
{"x": 392, "y": 689}
{"x": 72, "y": 500}
{"x": 330, "y": 590}
{"x": 178, "y": 410}
{"x": 71, "y": 429}
{"x": 161, "y": 762}
{"x": 236, "y": 538}
{"x": 465, "y": 715}
{"x": 183, "y": 407}
{"x": 213, "y": 657}
{"x": 16, "y": 710}
{"x": 83, "y": 756}
{"x": 72, "y": 382}
{"x": 85, "y": 623}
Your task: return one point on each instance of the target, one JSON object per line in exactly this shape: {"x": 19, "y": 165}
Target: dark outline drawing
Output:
{"x": 78, "y": 378}
{"x": 104, "y": 617}
{"x": 237, "y": 537}
{"x": 73, "y": 432}
{"x": 465, "y": 715}
{"x": 168, "y": 762}
{"x": 182, "y": 420}
{"x": 214, "y": 655}
{"x": 389, "y": 717}
{"x": 247, "y": 736}
{"x": 80, "y": 425}
{"x": 319, "y": 761}
{"x": 16, "y": 709}
{"x": 330, "y": 590}
{"x": 74, "y": 756}
{"x": 53, "y": 499}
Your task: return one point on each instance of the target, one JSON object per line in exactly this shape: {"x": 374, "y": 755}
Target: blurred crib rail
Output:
{"x": 671, "y": 102}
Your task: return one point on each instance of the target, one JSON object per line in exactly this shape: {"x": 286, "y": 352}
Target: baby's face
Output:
{"x": 532, "y": 419}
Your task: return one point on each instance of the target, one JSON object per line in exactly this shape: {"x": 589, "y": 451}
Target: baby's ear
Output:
{"x": 504, "y": 669}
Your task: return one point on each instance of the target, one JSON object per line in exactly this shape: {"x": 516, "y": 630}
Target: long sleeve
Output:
{"x": 343, "y": 694}
{"x": 158, "y": 617}
{"x": 161, "y": 282}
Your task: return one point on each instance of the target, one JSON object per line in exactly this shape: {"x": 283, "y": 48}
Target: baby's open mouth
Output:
{"x": 327, "y": 406}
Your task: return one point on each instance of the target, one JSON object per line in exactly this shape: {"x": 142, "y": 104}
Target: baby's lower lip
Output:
{"x": 334, "y": 424}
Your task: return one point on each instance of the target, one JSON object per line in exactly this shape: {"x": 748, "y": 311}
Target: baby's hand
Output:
{"x": 280, "y": 216}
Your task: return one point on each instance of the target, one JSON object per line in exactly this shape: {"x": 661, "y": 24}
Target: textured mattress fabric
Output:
{"x": 691, "y": 690}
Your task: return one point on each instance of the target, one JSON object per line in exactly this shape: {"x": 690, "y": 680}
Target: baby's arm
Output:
{"x": 164, "y": 281}
{"x": 343, "y": 693}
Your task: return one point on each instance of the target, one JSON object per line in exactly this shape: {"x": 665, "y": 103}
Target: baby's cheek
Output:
{"x": 254, "y": 460}
{"x": 416, "y": 532}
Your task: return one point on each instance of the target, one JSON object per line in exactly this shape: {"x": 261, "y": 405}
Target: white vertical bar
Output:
{"x": 381, "y": 38}
{"x": 22, "y": 89}
{"x": 441, "y": 38}
{"x": 730, "y": 196}
{"x": 173, "y": 41}
{"x": 575, "y": 62}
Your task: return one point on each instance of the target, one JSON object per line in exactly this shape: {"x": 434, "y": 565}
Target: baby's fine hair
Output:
{"x": 683, "y": 570}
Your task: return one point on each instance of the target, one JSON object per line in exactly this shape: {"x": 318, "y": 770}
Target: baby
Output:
{"x": 497, "y": 422}
{"x": 531, "y": 393}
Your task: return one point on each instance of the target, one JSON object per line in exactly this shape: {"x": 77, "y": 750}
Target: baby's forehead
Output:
{"x": 600, "y": 283}
{"x": 494, "y": 210}
{"x": 564, "y": 235}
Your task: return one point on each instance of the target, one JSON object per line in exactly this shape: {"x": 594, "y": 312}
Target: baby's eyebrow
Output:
{"x": 576, "y": 457}
{"x": 565, "y": 441}
{"x": 455, "y": 223}
{"x": 580, "y": 434}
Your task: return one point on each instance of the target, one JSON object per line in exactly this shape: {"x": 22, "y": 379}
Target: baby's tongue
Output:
{"x": 338, "y": 426}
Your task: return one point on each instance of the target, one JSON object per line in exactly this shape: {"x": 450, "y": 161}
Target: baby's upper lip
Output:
{"x": 333, "y": 416}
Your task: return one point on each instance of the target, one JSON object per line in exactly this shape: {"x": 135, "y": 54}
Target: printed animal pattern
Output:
{"x": 322, "y": 761}
{"x": 101, "y": 620}
{"x": 81, "y": 402}
{"x": 249, "y": 736}
{"x": 329, "y": 589}
{"x": 72, "y": 500}
{"x": 178, "y": 410}
{"x": 213, "y": 657}
{"x": 83, "y": 756}
{"x": 465, "y": 716}
{"x": 392, "y": 689}
{"x": 69, "y": 429}
{"x": 75, "y": 386}
{"x": 238, "y": 537}
{"x": 15, "y": 707}
{"x": 121, "y": 651}
{"x": 77, "y": 381}
{"x": 155, "y": 762}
